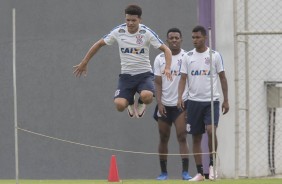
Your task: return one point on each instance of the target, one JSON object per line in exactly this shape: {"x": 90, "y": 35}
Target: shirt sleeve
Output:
{"x": 110, "y": 38}
{"x": 155, "y": 41}
{"x": 219, "y": 63}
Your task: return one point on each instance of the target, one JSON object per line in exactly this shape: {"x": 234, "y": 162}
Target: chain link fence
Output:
{"x": 258, "y": 69}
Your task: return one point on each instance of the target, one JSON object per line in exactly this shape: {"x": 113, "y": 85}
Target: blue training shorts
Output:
{"x": 199, "y": 115}
{"x": 128, "y": 85}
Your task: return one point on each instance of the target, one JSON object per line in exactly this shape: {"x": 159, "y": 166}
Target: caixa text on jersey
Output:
{"x": 133, "y": 50}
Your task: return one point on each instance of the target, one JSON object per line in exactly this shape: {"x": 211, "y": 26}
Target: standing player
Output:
{"x": 166, "y": 111}
{"x": 196, "y": 69}
{"x": 134, "y": 40}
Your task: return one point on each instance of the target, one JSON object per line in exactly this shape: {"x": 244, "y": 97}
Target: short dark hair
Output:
{"x": 133, "y": 9}
{"x": 201, "y": 29}
{"x": 174, "y": 30}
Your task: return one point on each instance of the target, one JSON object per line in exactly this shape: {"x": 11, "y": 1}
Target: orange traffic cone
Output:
{"x": 113, "y": 171}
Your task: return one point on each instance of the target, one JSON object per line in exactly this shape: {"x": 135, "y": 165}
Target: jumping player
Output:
{"x": 134, "y": 40}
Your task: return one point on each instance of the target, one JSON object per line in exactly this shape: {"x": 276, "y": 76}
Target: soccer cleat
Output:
{"x": 140, "y": 110}
{"x": 212, "y": 175}
{"x": 131, "y": 111}
{"x": 198, "y": 177}
{"x": 186, "y": 176}
{"x": 162, "y": 176}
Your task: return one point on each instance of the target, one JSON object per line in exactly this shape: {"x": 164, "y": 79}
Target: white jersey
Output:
{"x": 134, "y": 48}
{"x": 170, "y": 88}
{"x": 197, "y": 67}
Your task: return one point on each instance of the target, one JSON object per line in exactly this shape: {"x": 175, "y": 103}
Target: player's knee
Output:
{"x": 210, "y": 131}
{"x": 120, "y": 108}
{"x": 164, "y": 139}
{"x": 120, "y": 104}
{"x": 181, "y": 138}
{"x": 197, "y": 139}
{"x": 146, "y": 97}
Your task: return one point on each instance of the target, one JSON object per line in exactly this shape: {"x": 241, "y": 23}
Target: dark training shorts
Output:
{"x": 172, "y": 113}
{"x": 199, "y": 115}
{"x": 128, "y": 85}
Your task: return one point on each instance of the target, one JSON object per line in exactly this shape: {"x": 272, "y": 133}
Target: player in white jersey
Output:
{"x": 136, "y": 75}
{"x": 166, "y": 111}
{"x": 196, "y": 69}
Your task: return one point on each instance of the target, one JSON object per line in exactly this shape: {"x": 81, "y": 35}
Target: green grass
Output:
{"x": 221, "y": 181}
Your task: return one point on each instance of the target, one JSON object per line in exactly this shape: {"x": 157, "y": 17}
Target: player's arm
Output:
{"x": 224, "y": 87}
{"x": 158, "y": 85}
{"x": 168, "y": 56}
{"x": 181, "y": 88}
{"x": 82, "y": 66}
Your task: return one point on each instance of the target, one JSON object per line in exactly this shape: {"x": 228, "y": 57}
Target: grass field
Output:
{"x": 221, "y": 181}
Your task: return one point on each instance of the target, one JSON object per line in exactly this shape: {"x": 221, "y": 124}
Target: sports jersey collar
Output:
{"x": 207, "y": 50}
{"x": 139, "y": 26}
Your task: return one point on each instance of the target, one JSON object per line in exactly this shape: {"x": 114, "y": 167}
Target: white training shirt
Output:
{"x": 170, "y": 88}
{"x": 197, "y": 66}
{"x": 133, "y": 48}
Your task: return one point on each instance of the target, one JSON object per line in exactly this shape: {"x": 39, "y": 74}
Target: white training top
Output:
{"x": 170, "y": 88}
{"x": 133, "y": 48}
{"x": 197, "y": 66}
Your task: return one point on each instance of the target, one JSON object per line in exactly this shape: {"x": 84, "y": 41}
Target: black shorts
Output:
{"x": 199, "y": 115}
{"x": 128, "y": 85}
{"x": 172, "y": 113}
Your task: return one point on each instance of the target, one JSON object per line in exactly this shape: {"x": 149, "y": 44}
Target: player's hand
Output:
{"x": 180, "y": 104}
{"x": 225, "y": 107}
{"x": 168, "y": 74}
{"x": 80, "y": 69}
{"x": 162, "y": 110}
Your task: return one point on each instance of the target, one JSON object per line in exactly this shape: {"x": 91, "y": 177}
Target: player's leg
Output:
{"x": 164, "y": 127}
{"x": 164, "y": 133}
{"x": 209, "y": 133}
{"x": 146, "y": 89}
{"x": 146, "y": 96}
{"x": 124, "y": 95}
{"x": 196, "y": 127}
{"x": 180, "y": 127}
{"x": 208, "y": 122}
{"x": 197, "y": 150}
{"x": 212, "y": 175}
{"x": 121, "y": 104}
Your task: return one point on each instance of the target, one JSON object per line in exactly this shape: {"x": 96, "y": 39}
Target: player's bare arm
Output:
{"x": 158, "y": 85}
{"x": 81, "y": 68}
{"x": 224, "y": 87}
{"x": 168, "y": 56}
{"x": 181, "y": 87}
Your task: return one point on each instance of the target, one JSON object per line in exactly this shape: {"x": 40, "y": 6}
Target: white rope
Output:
{"x": 104, "y": 148}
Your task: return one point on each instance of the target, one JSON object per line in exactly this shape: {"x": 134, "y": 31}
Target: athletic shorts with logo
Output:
{"x": 199, "y": 115}
{"x": 128, "y": 85}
